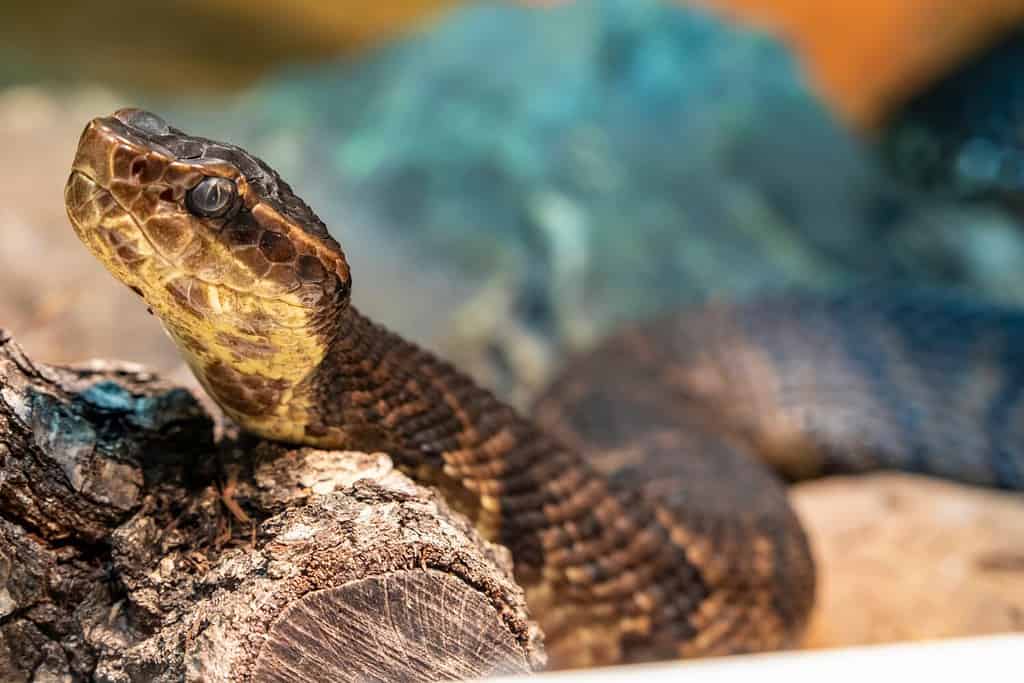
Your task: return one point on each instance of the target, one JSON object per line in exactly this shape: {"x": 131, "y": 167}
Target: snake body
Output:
{"x": 640, "y": 502}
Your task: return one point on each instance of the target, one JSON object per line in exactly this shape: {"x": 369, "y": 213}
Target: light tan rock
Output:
{"x": 911, "y": 558}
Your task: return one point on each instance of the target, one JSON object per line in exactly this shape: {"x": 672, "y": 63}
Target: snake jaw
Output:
{"x": 107, "y": 229}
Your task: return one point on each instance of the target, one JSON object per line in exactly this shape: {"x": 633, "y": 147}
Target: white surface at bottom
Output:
{"x": 974, "y": 660}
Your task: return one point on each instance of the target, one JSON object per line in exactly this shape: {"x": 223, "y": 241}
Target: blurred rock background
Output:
{"x": 511, "y": 181}
{"x": 566, "y": 166}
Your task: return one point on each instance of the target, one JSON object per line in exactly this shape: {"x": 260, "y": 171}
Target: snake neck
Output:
{"x": 595, "y": 554}
{"x": 591, "y": 553}
{"x": 376, "y": 391}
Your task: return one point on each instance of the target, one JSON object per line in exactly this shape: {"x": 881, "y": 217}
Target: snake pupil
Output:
{"x": 213, "y": 197}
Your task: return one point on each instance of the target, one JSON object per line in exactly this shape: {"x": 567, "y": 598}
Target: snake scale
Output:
{"x": 642, "y": 502}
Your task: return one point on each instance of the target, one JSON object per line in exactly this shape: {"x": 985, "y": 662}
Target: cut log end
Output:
{"x": 403, "y": 626}
{"x": 135, "y": 548}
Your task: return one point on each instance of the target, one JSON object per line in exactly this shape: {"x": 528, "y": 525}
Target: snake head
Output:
{"x": 242, "y": 273}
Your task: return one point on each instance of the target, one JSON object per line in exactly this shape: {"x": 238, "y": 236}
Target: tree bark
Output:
{"x": 134, "y": 546}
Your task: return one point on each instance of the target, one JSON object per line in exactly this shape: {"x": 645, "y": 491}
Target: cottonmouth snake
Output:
{"x": 640, "y": 503}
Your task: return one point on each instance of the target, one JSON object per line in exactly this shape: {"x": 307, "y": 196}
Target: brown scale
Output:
{"x": 638, "y": 502}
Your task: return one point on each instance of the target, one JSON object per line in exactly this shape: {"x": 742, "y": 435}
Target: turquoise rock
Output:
{"x": 608, "y": 158}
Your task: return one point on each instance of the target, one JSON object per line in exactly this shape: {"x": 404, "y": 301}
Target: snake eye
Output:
{"x": 213, "y": 197}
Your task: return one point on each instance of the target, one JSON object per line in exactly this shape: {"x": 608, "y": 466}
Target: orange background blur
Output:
{"x": 865, "y": 56}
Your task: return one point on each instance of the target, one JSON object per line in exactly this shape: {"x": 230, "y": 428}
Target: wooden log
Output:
{"x": 133, "y": 547}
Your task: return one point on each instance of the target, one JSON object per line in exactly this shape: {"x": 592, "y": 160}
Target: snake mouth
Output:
{"x": 80, "y": 190}
{"x": 106, "y": 227}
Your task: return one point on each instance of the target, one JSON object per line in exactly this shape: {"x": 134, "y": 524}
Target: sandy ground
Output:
{"x": 905, "y": 558}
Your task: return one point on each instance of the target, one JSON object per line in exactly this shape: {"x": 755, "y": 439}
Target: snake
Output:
{"x": 644, "y": 498}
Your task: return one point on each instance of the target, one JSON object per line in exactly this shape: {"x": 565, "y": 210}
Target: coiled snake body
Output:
{"x": 640, "y": 502}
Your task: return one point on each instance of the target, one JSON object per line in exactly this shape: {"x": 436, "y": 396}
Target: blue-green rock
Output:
{"x": 611, "y": 158}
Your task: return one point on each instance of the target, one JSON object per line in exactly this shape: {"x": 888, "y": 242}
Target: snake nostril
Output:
{"x": 310, "y": 269}
{"x": 276, "y": 247}
{"x": 138, "y": 167}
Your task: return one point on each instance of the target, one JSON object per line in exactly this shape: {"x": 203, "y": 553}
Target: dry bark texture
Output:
{"x": 135, "y": 548}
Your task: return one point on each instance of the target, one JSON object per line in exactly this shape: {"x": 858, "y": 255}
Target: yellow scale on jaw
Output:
{"x": 205, "y": 343}
{"x": 291, "y": 359}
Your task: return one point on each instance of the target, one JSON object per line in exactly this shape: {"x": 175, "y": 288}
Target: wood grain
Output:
{"x": 134, "y": 548}
{"x": 407, "y": 625}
